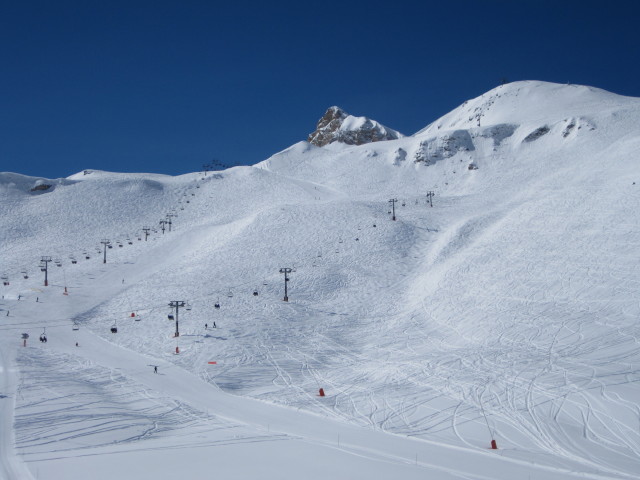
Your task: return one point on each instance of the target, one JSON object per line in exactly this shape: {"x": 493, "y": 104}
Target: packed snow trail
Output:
{"x": 11, "y": 466}
{"x": 264, "y": 423}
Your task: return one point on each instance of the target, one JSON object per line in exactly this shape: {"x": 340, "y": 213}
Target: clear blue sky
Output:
{"x": 166, "y": 86}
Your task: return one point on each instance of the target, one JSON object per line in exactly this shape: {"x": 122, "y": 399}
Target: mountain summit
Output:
{"x": 336, "y": 125}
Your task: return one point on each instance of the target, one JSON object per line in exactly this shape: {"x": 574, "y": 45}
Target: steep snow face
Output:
{"x": 506, "y": 310}
{"x": 532, "y": 103}
{"x": 338, "y": 126}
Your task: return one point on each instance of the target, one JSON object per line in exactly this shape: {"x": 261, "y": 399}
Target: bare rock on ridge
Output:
{"x": 336, "y": 125}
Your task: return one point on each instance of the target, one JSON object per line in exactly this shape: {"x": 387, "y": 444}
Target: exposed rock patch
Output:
{"x": 336, "y": 125}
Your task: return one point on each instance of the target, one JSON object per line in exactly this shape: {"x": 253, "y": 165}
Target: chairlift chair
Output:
{"x": 114, "y": 329}
{"x": 255, "y": 292}
{"x": 75, "y": 326}
{"x": 217, "y": 304}
{"x": 171, "y": 317}
{"x": 230, "y": 294}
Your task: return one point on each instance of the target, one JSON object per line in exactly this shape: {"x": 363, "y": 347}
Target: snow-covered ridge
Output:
{"x": 530, "y": 103}
{"x": 24, "y": 184}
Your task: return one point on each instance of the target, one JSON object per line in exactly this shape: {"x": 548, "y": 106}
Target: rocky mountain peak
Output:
{"x": 336, "y": 125}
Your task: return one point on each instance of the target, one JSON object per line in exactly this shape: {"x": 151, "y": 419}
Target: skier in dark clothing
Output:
{"x": 155, "y": 369}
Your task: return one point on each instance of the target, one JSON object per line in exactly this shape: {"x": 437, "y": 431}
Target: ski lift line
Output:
{"x": 208, "y": 295}
{"x": 214, "y": 293}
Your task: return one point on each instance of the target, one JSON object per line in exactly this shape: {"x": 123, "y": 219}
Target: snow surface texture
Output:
{"x": 508, "y": 310}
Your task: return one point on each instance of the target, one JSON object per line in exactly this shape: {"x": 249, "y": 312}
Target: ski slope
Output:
{"x": 507, "y": 310}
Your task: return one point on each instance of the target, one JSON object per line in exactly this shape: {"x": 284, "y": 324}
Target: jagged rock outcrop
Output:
{"x": 336, "y": 125}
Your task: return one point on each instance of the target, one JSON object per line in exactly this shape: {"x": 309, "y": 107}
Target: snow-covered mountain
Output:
{"x": 336, "y": 125}
{"x": 507, "y": 310}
